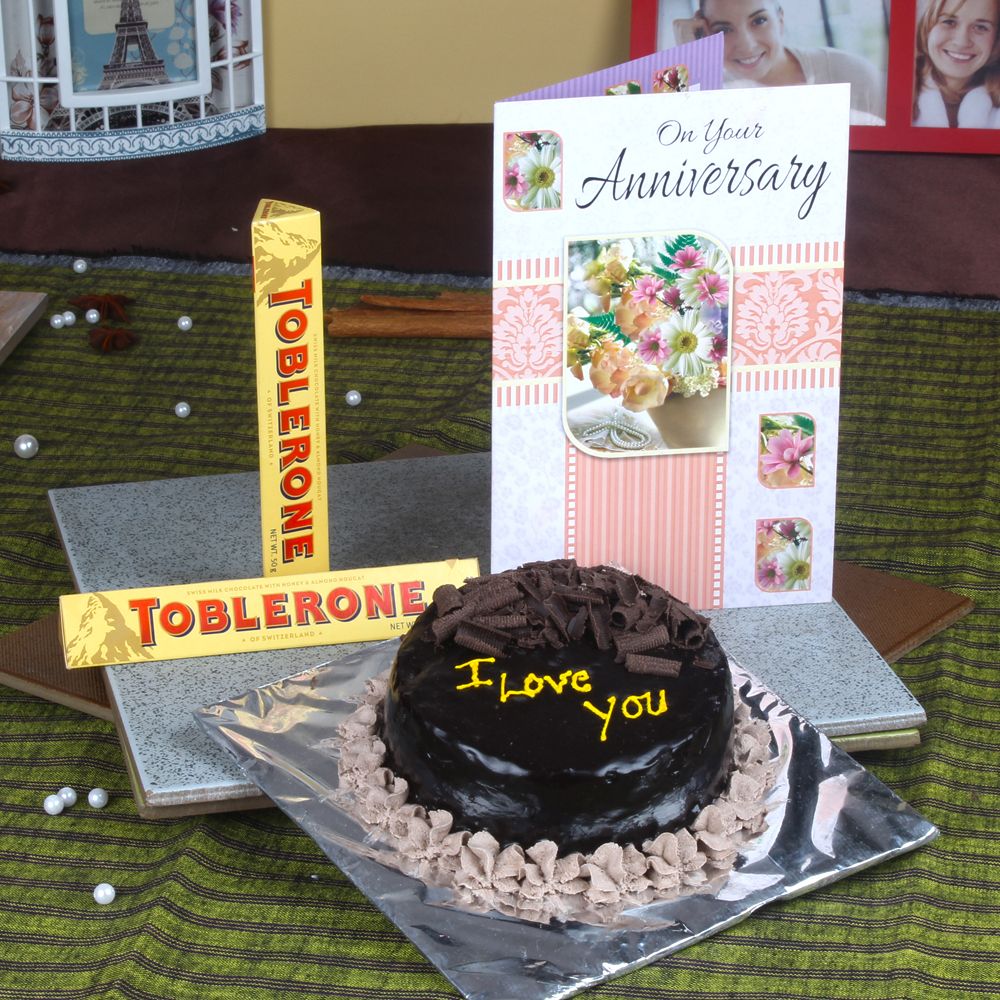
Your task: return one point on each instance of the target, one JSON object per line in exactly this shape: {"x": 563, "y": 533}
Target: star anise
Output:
{"x": 105, "y": 338}
{"x": 109, "y": 306}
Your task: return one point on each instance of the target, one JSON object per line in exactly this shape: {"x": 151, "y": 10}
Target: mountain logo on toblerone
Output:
{"x": 282, "y": 253}
{"x": 103, "y": 637}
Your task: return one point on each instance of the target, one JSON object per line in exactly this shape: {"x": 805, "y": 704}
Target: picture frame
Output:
{"x": 165, "y": 59}
{"x": 209, "y": 90}
{"x": 650, "y": 30}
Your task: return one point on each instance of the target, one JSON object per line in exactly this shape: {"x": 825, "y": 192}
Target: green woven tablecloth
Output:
{"x": 244, "y": 905}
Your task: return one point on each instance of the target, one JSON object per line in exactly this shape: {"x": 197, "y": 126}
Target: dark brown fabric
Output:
{"x": 409, "y": 198}
{"x": 417, "y": 198}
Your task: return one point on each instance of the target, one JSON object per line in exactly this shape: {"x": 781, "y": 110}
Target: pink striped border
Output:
{"x": 758, "y": 255}
{"x": 528, "y": 269}
{"x": 718, "y": 533}
{"x": 787, "y": 254}
{"x": 762, "y": 379}
{"x": 661, "y": 517}
{"x": 527, "y": 394}
{"x": 570, "y": 538}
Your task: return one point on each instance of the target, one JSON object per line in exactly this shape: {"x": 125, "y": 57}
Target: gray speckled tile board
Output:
{"x": 400, "y": 511}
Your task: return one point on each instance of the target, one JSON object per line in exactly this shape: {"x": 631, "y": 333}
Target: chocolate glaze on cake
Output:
{"x": 563, "y": 703}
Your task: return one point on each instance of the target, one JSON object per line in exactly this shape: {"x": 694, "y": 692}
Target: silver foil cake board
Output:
{"x": 193, "y": 530}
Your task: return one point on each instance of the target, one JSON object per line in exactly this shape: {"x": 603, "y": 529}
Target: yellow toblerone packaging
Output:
{"x": 291, "y": 401}
{"x": 238, "y": 616}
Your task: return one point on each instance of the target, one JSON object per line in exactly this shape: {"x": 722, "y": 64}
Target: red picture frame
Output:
{"x": 898, "y": 134}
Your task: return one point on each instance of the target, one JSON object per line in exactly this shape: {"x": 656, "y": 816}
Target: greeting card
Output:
{"x": 668, "y": 279}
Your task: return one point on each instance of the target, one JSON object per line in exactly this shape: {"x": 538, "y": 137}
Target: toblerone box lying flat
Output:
{"x": 236, "y": 616}
{"x": 291, "y": 402}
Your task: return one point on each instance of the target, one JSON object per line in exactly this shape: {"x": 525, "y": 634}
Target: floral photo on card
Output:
{"x": 623, "y": 89}
{"x": 784, "y": 554}
{"x": 647, "y": 343}
{"x": 532, "y": 171}
{"x": 787, "y": 450}
{"x": 671, "y": 79}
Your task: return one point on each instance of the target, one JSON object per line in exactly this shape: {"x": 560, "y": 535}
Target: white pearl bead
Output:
{"x": 353, "y": 398}
{"x": 68, "y": 796}
{"x": 57, "y": 321}
{"x": 184, "y": 323}
{"x": 53, "y": 805}
{"x": 69, "y": 318}
{"x": 26, "y": 446}
{"x": 92, "y": 316}
{"x": 80, "y": 265}
{"x": 183, "y": 409}
{"x": 104, "y": 893}
{"x": 97, "y": 797}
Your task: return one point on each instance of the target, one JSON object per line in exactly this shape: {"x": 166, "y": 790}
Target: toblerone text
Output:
{"x": 291, "y": 407}
{"x": 235, "y": 616}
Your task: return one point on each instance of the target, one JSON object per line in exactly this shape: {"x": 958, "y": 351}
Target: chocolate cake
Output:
{"x": 556, "y": 702}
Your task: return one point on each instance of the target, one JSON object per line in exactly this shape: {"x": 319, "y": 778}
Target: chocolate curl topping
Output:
{"x": 628, "y": 589}
{"x": 641, "y": 642}
{"x": 445, "y": 627}
{"x": 687, "y": 628}
{"x": 554, "y": 603}
{"x": 657, "y": 606}
{"x": 659, "y": 666}
{"x": 558, "y": 614}
{"x": 625, "y": 616}
{"x": 503, "y": 623}
{"x": 575, "y": 596}
{"x": 577, "y": 626}
{"x": 481, "y": 638}
{"x": 447, "y": 598}
{"x": 689, "y": 633}
{"x": 495, "y": 595}
{"x": 600, "y": 625}
{"x": 553, "y": 637}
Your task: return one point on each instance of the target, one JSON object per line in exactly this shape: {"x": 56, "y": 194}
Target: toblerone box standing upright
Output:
{"x": 291, "y": 401}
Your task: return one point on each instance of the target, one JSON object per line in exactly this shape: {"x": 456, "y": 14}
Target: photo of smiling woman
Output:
{"x": 758, "y": 53}
{"x": 957, "y": 64}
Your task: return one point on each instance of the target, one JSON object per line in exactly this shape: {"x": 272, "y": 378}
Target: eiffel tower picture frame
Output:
{"x": 131, "y": 52}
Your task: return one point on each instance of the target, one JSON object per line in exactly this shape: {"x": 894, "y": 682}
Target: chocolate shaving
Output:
{"x": 447, "y": 598}
{"x": 704, "y": 664}
{"x": 689, "y": 634}
{"x": 445, "y": 627}
{"x": 504, "y": 623}
{"x": 640, "y": 642}
{"x": 687, "y": 629}
{"x": 600, "y": 625}
{"x": 577, "y": 626}
{"x": 481, "y": 638}
{"x": 625, "y": 617}
{"x": 496, "y": 595}
{"x": 575, "y": 596}
{"x": 628, "y": 589}
{"x": 558, "y": 614}
{"x": 553, "y": 638}
{"x": 638, "y": 663}
{"x": 655, "y": 609}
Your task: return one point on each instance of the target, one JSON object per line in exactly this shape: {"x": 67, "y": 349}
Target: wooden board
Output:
{"x": 896, "y": 614}
{"x": 31, "y": 660}
{"x": 19, "y": 312}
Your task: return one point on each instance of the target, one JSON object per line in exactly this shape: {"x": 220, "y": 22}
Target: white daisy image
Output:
{"x": 540, "y": 168}
{"x": 690, "y": 343}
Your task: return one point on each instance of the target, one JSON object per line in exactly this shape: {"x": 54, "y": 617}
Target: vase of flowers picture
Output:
{"x": 647, "y": 324}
